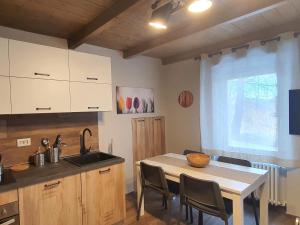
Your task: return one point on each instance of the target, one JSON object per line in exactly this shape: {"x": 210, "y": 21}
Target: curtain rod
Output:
{"x": 263, "y": 42}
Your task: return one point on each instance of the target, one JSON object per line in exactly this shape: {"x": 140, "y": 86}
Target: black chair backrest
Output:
{"x": 240, "y": 162}
{"x": 206, "y": 194}
{"x": 187, "y": 151}
{"x": 153, "y": 175}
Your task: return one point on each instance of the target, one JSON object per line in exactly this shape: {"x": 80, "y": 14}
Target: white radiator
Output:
{"x": 277, "y": 182}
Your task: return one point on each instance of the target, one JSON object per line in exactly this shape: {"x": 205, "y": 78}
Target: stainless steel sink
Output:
{"x": 90, "y": 158}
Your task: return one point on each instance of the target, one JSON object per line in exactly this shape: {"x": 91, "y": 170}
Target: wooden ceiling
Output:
{"x": 123, "y": 24}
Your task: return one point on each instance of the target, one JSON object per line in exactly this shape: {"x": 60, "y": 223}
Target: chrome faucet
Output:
{"x": 83, "y": 149}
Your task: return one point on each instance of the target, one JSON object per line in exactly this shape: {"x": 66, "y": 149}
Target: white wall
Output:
{"x": 137, "y": 72}
{"x": 182, "y": 124}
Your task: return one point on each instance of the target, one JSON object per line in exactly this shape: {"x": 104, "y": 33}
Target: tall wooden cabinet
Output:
{"x": 148, "y": 134}
{"x": 55, "y": 202}
{"x": 103, "y": 192}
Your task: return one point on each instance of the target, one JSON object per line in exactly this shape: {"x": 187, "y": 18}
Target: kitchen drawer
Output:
{"x": 91, "y": 97}
{"x": 39, "y": 96}
{"x": 4, "y": 63}
{"x": 38, "y": 61}
{"x": 8, "y": 197}
{"x": 5, "y": 107}
{"x": 89, "y": 68}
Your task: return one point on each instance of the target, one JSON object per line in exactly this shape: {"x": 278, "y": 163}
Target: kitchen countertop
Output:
{"x": 35, "y": 175}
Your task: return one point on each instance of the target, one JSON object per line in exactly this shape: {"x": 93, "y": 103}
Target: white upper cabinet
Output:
{"x": 89, "y": 68}
{"x": 39, "y": 96}
{"x": 90, "y": 97}
{"x": 38, "y": 61}
{"x": 5, "y": 107}
{"x": 4, "y": 63}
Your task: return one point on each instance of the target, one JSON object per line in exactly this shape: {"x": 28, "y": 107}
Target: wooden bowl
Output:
{"x": 198, "y": 160}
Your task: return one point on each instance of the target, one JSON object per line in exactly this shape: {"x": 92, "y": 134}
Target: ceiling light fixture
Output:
{"x": 198, "y": 6}
{"x": 160, "y": 16}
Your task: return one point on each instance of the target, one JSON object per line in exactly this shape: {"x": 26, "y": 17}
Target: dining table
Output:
{"x": 236, "y": 182}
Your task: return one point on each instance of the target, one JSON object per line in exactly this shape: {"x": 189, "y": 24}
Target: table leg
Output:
{"x": 238, "y": 210}
{"x": 264, "y": 204}
{"x": 139, "y": 189}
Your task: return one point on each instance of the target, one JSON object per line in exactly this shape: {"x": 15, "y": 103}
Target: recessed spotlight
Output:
{"x": 199, "y": 6}
{"x": 158, "y": 25}
{"x": 160, "y": 16}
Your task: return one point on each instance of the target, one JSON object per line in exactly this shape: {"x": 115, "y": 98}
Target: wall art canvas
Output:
{"x": 134, "y": 100}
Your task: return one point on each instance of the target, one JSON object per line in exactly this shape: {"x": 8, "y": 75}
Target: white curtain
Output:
{"x": 244, "y": 102}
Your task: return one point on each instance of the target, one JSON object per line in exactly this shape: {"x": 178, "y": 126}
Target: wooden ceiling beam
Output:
{"x": 82, "y": 35}
{"x": 217, "y": 15}
{"x": 265, "y": 34}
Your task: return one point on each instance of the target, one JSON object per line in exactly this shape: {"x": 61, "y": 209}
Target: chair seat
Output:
{"x": 213, "y": 210}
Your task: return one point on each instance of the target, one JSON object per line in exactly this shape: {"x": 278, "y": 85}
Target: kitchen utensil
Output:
{"x": 53, "y": 155}
{"x": 46, "y": 143}
{"x": 38, "y": 159}
{"x": 198, "y": 159}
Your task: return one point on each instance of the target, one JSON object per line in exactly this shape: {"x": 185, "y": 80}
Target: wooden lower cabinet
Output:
{"x": 57, "y": 202}
{"x": 103, "y": 192}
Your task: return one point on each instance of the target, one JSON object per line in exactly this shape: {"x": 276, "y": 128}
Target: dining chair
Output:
{"x": 187, "y": 151}
{"x": 241, "y": 162}
{"x": 205, "y": 196}
{"x": 173, "y": 186}
{"x": 153, "y": 177}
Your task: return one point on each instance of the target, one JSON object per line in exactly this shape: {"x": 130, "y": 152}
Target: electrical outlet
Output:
{"x": 23, "y": 142}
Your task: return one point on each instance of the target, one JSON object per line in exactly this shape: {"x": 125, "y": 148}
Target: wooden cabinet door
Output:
{"x": 39, "y": 96}
{"x": 90, "y": 97}
{"x": 38, "y": 61}
{"x": 57, "y": 202}
{"x": 103, "y": 192}
{"x": 4, "y": 63}
{"x": 159, "y": 146}
{"x": 89, "y": 67}
{"x": 5, "y": 107}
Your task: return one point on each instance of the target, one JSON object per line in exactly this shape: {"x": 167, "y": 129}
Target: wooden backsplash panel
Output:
{"x": 69, "y": 125}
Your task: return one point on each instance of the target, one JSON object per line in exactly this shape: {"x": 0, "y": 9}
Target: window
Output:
{"x": 252, "y": 112}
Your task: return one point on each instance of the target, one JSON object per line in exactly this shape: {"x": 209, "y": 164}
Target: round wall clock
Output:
{"x": 185, "y": 99}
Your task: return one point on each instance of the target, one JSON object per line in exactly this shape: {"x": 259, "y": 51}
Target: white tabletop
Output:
{"x": 231, "y": 178}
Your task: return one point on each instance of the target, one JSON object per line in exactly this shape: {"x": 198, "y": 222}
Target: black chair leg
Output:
{"x": 254, "y": 208}
{"x": 200, "y": 218}
{"x": 166, "y": 202}
{"x": 140, "y": 204}
{"x": 186, "y": 212}
{"x": 163, "y": 201}
{"x": 191, "y": 214}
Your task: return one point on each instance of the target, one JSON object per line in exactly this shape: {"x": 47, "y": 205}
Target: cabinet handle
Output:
{"x": 157, "y": 119}
{"x": 50, "y": 186}
{"x": 141, "y": 120}
{"x": 95, "y": 107}
{"x": 92, "y": 78}
{"x": 38, "y": 109}
{"x": 104, "y": 171}
{"x": 42, "y": 74}
{"x": 12, "y": 221}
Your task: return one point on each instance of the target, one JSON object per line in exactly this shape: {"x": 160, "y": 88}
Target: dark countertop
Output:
{"x": 35, "y": 175}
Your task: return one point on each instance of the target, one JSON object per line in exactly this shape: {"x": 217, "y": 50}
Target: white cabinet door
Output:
{"x": 87, "y": 97}
{"x": 39, "y": 96}
{"x": 4, "y": 64}
{"x": 38, "y": 61}
{"x": 5, "y": 107}
{"x": 89, "y": 68}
